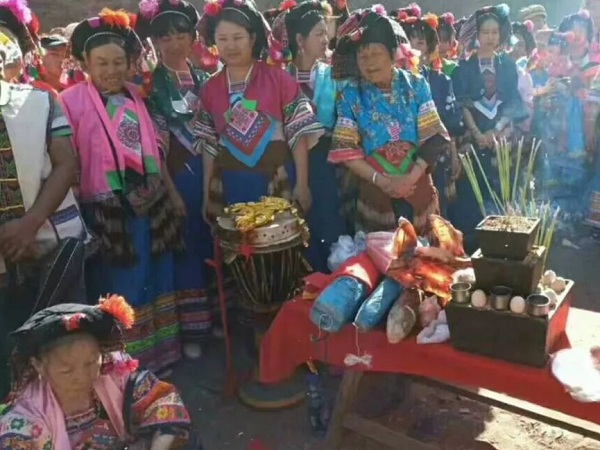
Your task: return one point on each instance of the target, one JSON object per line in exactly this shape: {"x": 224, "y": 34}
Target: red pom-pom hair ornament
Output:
{"x": 529, "y": 26}
{"x": 116, "y": 306}
{"x": 287, "y": 5}
{"x": 212, "y": 8}
{"x": 431, "y": 20}
{"x": 116, "y": 19}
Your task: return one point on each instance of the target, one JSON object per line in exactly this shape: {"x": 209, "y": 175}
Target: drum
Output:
{"x": 263, "y": 244}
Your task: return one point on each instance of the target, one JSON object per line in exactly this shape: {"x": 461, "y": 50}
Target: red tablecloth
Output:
{"x": 287, "y": 345}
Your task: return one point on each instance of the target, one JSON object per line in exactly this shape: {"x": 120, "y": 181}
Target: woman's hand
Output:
{"x": 17, "y": 238}
{"x": 303, "y": 196}
{"x": 402, "y": 186}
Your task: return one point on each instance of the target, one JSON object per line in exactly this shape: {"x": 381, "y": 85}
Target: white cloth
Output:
{"x": 26, "y": 111}
{"x": 436, "y": 332}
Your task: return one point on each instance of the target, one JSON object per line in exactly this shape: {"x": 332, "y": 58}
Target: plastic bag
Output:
{"x": 429, "y": 310}
{"x": 577, "y": 370}
{"x": 380, "y": 247}
{"x": 345, "y": 248}
{"x": 436, "y": 332}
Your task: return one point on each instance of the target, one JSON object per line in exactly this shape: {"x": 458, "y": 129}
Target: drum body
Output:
{"x": 267, "y": 264}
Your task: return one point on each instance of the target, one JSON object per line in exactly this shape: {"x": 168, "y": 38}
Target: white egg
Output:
{"x": 549, "y": 277}
{"x": 517, "y": 304}
{"x": 553, "y": 296}
{"x": 478, "y": 299}
{"x": 559, "y": 285}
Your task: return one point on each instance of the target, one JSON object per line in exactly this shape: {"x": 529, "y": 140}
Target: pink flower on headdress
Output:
{"x": 94, "y": 22}
{"x": 149, "y": 8}
{"x": 415, "y": 9}
{"x": 448, "y": 17}
{"x": 212, "y": 8}
{"x": 19, "y": 8}
{"x": 529, "y": 26}
{"x": 379, "y": 9}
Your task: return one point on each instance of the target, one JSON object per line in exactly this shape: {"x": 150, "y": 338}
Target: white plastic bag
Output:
{"x": 576, "y": 369}
{"x": 346, "y": 248}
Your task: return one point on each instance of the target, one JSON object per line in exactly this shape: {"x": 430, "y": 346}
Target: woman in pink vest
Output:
{"x": 127, "y": 196}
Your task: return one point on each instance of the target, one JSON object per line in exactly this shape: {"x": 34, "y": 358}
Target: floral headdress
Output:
{"x": 104, "y": 321}
{"x": 149, "y": 11}
{"x": 353, "y": 32}
{"x": 119, "y": 24}
{"x": 524, "y": 29}
{"x": 247, "y": 9}
{"x": 447, "y": 32}
{"x": 580, "y": 18}
{"x": 469, "y": 31}
{"x": 293, "y": 18}
{"x": 426, "y": 26}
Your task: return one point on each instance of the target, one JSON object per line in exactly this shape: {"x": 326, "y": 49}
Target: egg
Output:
{"x": 517, "y": 304}
{"x": 478, "y": 299}
{"x": 559, "y": 285}
{"x": 553, "y": 296}
{"x": 548, "y": 278}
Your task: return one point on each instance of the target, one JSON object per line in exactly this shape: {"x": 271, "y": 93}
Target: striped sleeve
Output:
{"x": 59, "y": 125}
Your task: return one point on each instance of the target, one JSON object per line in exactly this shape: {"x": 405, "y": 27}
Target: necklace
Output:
{"x": 240, "y": 86}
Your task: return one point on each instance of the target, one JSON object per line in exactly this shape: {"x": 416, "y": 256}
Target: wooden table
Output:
{"x": 583, "y": 330}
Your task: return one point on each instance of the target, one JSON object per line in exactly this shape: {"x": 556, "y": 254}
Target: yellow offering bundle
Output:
{"x": 253, "y": 215}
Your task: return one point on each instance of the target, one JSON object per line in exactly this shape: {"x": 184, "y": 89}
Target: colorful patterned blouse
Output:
{"x": 157, "y": 406}
{"x": 173, "y": 102}
{"x": 246, "y": 117}
{"x": 368, "y": 119}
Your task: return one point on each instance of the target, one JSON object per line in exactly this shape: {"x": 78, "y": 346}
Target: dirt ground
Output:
{"x": 427, "y": 414}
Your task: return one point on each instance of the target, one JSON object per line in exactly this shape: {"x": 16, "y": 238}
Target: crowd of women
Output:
{"x": 125, "y": 135}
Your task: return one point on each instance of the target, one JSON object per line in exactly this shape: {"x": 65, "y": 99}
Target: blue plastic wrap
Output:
{"x": 337, "y": 304}
{"x": 376, "y": 307}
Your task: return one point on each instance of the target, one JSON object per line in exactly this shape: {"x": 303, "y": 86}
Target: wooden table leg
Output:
{"x": 343, "y": 406}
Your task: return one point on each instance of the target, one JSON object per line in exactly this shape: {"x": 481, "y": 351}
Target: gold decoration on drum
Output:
{"x": 253, "y": 215}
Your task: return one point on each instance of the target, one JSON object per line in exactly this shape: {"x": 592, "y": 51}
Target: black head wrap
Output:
{"x": 581, "y": 18}
{"x": 521, "y": 29}
{"x": 242, "y": 12}
{"x": 300, "y": 19}
{"x": 115, "y": 24}
{"x": 161, "y": 17}
{"x": 362, "y": 28}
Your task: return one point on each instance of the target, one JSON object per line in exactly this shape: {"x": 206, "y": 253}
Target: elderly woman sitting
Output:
{"x": 76, "y": 389}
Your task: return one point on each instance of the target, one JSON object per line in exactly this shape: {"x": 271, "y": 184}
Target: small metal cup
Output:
{"x": 501, "y": 296}
{"x": 461, "y": 292}
{"x": 538, "y": 305}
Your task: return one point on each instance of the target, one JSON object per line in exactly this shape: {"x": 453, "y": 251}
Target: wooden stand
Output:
{"x": 516, "y": 338}
{"x": 521, "y": 276}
